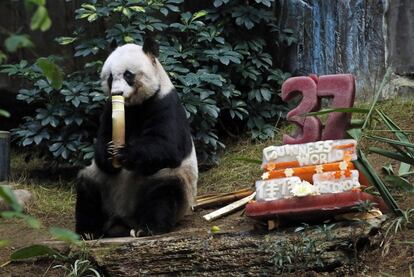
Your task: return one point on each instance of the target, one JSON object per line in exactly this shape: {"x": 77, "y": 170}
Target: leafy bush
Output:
{"x": 219, "y": 59}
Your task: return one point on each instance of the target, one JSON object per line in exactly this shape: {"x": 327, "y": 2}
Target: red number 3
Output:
{"x": 339, "y": 87}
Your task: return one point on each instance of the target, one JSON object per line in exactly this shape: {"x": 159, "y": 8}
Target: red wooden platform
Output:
{"x": 312, "y": 207}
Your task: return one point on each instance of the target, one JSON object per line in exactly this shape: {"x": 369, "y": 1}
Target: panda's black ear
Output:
{"x": 151, "y": 47}
{"x": 112, "y": 46}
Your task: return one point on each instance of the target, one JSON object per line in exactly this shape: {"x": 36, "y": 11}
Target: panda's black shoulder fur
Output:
{"x": 157, "y": 136}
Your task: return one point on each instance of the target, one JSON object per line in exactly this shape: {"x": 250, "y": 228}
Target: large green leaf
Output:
{"x": 52, "y": 72}
{"x": 40, "y": 19}
{"x": 15, "y": 42}
{"x": 33, "y": 251}
{"x": 64, "y": 235}
{"x": 4, "y": 113}
{"x": 31, "y": 221}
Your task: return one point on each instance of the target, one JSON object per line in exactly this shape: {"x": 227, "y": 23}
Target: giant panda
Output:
{"x": 158, "y": 180}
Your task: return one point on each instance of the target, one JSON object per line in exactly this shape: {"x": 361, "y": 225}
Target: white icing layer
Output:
{"x": 327, "y": 182}
{"x": 275, "y": 189}
{"x": 313, "y": 153}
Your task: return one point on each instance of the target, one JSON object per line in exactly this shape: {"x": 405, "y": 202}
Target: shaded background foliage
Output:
{"x": 220, "y": 55}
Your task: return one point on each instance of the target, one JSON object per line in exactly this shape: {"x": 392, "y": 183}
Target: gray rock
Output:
{"x": 24, "y": 197}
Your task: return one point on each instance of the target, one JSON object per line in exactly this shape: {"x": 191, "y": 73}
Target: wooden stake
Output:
{"x": 272, "y": 224}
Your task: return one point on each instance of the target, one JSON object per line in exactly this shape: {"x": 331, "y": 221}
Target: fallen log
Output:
{"x": 199, "y": 253}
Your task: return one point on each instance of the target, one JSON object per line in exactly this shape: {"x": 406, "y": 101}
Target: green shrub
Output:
{"x": 219, "y": 59}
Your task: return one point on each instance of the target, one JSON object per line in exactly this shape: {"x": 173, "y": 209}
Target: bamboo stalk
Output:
{"x": 229, "y": 208}
{"x": 213, "y": 195}
{"x": 118, "y": 124}
{"x": 222, "y": 199}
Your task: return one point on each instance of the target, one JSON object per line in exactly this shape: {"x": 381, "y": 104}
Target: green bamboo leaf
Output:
{"x": 33, "y": 251}
{"x": 402, "y": 136}
{"x": 388, "y": 169}
{"x": 393, "y": 126}
{"x": 402, "y": 151}
{"x": 391, "y": 141}
{"x": 400, "y": 182}
{"x": 385, "y": 80}
{"x": 357, "y": 123}
{"x": 365, "y": 167}
{"x": 355, "y": 133}
{"x": 407, "y": 174}
{"x": 392, "y": 155}
{"x": 339, "y": 110}
{"x": 404, "y": 168}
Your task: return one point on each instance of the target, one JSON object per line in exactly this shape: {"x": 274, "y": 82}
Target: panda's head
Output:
{"x": 134, "y": 72}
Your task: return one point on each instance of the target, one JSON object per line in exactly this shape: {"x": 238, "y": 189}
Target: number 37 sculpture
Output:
{"x": 312, "y": 175}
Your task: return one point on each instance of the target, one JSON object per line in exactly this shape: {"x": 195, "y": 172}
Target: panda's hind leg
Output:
{"x": 89, "y": 214}
{"x": 161, "y": 206}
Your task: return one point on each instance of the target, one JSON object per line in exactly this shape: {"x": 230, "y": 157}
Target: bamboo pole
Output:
{"x": 220, "y": 199}
{"x": 118, "y": 124}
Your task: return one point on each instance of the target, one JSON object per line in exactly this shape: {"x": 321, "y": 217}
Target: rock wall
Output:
{"x": 337, "y": 36}
{"x": 399, "y": 47}
{"x": 361, "y": 37}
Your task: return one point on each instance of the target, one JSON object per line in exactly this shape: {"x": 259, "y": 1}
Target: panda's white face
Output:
{"x": 130, "y": 72}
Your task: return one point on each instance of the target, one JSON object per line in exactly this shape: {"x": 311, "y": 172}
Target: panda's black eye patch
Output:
{"x": 129, "y": 77}
{"x": 110, "y": 81}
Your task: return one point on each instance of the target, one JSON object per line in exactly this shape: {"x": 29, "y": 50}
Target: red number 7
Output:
{"x": 339, "y": 87}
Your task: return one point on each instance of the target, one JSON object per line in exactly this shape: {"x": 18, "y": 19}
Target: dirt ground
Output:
{"x": 394, "y": 258}
{"x": 54, "y": 206}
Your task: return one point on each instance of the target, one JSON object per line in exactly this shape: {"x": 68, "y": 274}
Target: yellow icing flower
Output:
{"x": 289, "y": 172}
{"x": 319, "y": 168}
{"x": 304, "y": 189}
{"x": 265, "y": 176}
{"x": 343, "y": 165}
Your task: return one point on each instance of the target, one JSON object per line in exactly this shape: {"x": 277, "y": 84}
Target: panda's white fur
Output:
{"x": 150, "y": 75}
{"x": 116, "y": 191}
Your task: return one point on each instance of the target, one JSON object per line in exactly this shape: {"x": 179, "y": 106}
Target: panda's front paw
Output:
{"x": 125, "y": 158}
{"x": 114, "y": 149}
